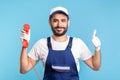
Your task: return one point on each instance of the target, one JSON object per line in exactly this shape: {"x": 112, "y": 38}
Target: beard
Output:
{"x": 58, "y": 32}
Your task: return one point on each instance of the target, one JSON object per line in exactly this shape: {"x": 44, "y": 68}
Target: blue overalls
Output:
{"x": 60, "y": 64}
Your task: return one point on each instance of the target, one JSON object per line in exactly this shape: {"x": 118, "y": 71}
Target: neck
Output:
{"x": 60, "y": 38}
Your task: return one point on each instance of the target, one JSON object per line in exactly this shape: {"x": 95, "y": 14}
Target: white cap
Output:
{"x": 59, "y": 9}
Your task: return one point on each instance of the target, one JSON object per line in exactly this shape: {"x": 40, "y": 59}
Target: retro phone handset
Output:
{"x": 26, "y": 28}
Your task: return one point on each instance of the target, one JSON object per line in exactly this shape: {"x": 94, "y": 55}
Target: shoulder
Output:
{"x": 41, "y": 42}
{"x": 77, "y": 40}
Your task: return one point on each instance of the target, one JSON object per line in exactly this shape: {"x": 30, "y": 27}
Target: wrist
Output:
{"x": 97, "y": 48}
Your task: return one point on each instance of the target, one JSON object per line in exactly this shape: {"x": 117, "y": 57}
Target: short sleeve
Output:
{"x": 85, "y": 52}
{"x": 34, "y": 51}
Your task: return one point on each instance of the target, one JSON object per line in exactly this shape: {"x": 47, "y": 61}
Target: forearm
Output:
{"x": 96, "y": 60}
{"x": 24, "y": 61}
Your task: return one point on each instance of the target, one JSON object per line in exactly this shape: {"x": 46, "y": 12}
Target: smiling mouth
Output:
{"x": 59, "y": 29}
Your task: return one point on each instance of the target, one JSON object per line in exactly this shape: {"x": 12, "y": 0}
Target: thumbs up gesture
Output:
{"x": 96, "y": 41}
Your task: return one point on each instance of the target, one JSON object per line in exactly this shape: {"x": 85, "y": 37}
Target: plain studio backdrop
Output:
{"x": 85, "y": 16}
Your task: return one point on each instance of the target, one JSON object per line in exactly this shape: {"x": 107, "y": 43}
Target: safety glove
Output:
{"x": 96, "y": 41}
{"x": 25, "y": 35}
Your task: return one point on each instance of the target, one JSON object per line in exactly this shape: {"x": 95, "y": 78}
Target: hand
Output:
{"x": 96, "y": 41}
{"x": 25, "y": 38}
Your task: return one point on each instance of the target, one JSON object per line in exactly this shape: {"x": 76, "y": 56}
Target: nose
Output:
{"x": 59, "y": 23}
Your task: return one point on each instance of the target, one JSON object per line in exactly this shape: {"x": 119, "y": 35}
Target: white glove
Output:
{"x": 25, "y": 36}
{"x": 96, "y": 41}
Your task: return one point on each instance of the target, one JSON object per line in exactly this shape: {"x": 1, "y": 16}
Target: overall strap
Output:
{"x": 70, "y": 42}
{"x": 49, "y": 43}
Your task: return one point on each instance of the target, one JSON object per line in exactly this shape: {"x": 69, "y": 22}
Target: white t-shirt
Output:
{"x": 79, "y": 50}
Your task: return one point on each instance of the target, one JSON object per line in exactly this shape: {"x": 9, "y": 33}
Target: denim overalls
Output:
{"x": 60, "y": 64}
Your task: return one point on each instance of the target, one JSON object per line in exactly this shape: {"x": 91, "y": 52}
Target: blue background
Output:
{"x": 85, "y": 16}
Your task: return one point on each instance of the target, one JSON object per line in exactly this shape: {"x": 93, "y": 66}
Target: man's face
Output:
{"x": 59, "y": 24}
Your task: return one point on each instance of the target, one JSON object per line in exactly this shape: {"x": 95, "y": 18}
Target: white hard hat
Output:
{"x": 59, "y": 9}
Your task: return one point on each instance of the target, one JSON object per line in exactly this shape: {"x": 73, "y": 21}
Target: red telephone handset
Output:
{"x": 26, "y": 28}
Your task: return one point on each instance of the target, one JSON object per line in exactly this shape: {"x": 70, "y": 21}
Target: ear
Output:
{"x": 68, "y": 23}
{"x": 49, "y": 22}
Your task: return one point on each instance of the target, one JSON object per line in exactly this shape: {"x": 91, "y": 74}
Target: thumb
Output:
{"x": 94, "y": 33}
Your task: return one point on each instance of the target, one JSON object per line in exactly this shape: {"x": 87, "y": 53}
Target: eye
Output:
{"x": 54, "y": 20}
{"x": 63, "y": 20}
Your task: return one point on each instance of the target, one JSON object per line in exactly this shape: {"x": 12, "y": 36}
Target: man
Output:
{"x": 60, "y": 54}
